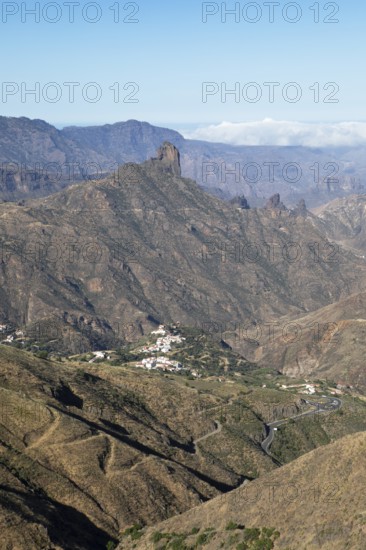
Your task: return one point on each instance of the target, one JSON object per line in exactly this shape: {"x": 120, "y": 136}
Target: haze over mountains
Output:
{"x": 46, "y": 160}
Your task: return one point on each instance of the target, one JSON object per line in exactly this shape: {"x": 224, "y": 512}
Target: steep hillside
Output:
{"x": 344, "y": 220}
{"x": 314, "y": 502}
{"x": 330, "y": 343}
{"x": 85, "y": 452}
{"x": 91, "y": 451}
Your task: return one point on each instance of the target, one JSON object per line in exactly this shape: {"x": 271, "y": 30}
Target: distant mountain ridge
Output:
{"x": 46, "y": 160}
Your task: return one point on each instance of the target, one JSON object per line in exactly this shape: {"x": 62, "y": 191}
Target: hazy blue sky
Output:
{"x": 170, "y": 52}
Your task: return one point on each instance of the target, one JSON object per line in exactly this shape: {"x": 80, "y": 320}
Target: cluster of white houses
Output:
{"x": 163, "y": 345}
{"x": 162, "y": 363}
{"x": 310, "y": 389}
{"x": 17, "y": 333}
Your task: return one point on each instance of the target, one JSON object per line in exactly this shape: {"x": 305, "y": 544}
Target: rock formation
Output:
{"x": 274, "y": 203}
{"x": 240, "y": 202}
{"x": 169, "y": 158}
{"x": 300, "y": 209}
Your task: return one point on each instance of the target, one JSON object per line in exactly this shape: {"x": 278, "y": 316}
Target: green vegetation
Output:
{"x": 174, "y": 541}
{"x": 43, "y": 354}
{"x": 205, "y": 537}
{"x": 304, "y": 434}
{"x": 240, "y": 538}
{"x": 156, "y": 537}
{"x": 134, "y": 532}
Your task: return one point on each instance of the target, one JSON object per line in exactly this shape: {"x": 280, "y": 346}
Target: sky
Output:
{"x": 288, "y": 65}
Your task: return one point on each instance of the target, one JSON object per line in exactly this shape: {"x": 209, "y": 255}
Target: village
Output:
{"x": 11, "y": 337}
{"x": 163, "y": 345}
{"x": 156, "y": 358}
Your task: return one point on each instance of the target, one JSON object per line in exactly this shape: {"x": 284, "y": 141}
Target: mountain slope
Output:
{"x": 85, "y": 452}
{"x": 330, "y": 344}
{"x": 149, "y": 246}
{"x": 314, "y": 502}
{"x": 344, "y": 220}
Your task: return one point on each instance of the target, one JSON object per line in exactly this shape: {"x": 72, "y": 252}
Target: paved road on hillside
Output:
{"x": 332, "y": 405}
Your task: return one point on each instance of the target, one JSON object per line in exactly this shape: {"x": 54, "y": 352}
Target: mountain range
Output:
{"x": 100, "y": 448}
{"x": 146, "y": 246}
{"x": 37, "y": 159}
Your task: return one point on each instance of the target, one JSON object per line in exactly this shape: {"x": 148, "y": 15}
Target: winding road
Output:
{"x": 332, "y": 405}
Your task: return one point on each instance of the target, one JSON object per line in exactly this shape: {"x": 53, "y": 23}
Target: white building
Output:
{"x": 161, "y": 330}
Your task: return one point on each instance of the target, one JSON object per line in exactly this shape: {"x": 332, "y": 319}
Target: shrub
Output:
{"x": 42, "y": 354}
{"x": 178, "y": 544}
{"x": 204, "y": 538}
{"x": 251, "y": 534}
{"x": 157, "y": 536}
{"x": 231, "y": 526}
{"x": 134, "y": 531}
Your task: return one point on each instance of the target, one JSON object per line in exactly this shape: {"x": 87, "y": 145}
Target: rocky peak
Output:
{"x": 274, "y": 203}
{"x": 169, "y": 157}
{"x": 240, "y": 202}
{"x": 300, "y": 209}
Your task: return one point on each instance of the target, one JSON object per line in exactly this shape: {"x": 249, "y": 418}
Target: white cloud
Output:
{"x": 276, "y": 132}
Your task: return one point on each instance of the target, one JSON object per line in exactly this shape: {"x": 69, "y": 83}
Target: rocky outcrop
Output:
{"x": 300, "y": 209}
{"x": 240, "y": 202}
{"x": 168, "y": 158}
{"x": 104, "y": 257}
{"x": 274, "y": 203}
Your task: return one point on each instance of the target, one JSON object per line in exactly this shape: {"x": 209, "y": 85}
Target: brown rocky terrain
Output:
{"x": 317, "y": 501}
{"x": 91, "y": 453}
{"x": 344, "y": 221}
{"x": 148, "y": 246}
{"x": 327, "y": 344}
{"x": 86, "y": 452}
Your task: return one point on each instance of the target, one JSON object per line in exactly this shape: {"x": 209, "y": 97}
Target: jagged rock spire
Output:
{"x": 300, "y": 209}
{"x": 169, "y": 156}
{"x": 274, "y": 203}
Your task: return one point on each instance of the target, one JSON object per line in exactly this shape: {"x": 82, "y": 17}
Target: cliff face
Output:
{"x": 169, "y": 157}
